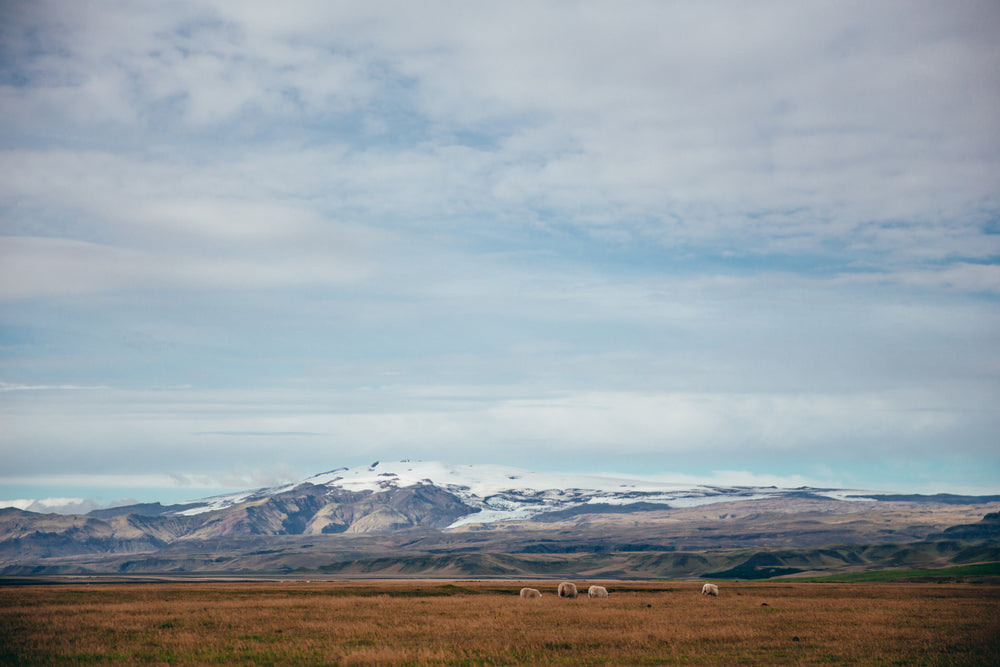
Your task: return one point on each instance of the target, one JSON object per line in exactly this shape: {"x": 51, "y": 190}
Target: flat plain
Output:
{"x": 486, "y": 623}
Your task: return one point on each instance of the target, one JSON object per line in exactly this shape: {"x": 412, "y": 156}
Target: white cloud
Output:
{"x": 39, "y": 267}
{"x": 202, "y": 429}
{"x": 8, "y": 386}
{"x": 961, "y": 276}
{"x": 688, "y": 118}
{"x": 52, "y": 505}
{"x": 704, "y": 227}
{"x": 236, "y": 477}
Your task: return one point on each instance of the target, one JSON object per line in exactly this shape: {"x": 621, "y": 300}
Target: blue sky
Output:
{"x": 243, "y": 243}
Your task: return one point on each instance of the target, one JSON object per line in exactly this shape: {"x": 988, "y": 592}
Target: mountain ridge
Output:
{"x": 502, "y": 493}
{"x": 407, "y": 516}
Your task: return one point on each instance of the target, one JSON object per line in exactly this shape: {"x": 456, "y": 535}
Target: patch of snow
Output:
{"x": 714, "y": 500}
{"x": 219, "y": 502}
{"x": 62, "y": 505}
{"x": 53, "y": 505}
{"x": 845, "y": 494}
{"x": 504, "y": 493}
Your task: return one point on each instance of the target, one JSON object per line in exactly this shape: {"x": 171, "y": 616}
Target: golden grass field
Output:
{"x": 486, "y": 623}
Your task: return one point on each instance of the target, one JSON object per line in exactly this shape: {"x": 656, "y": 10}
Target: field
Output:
{"x": 486, "y": 623}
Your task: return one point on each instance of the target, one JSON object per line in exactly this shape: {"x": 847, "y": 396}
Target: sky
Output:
{"x": 242, "y": 243}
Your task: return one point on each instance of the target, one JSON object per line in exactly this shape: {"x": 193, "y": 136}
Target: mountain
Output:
{"x": 492, "y": 493}
{"x": 411, "y": 517}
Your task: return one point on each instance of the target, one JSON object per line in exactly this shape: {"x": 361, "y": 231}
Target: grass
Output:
{"x": 486, "y": 623}
{"x": 978, "y": 572}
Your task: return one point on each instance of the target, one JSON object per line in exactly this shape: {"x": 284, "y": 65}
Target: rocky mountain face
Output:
{"x": 429, "y": 518}
{"x": 306, "y": 509}
{"x": 28, "y": 535}
{"x": 309, "y": 509}
{"x": 494, "y": 493}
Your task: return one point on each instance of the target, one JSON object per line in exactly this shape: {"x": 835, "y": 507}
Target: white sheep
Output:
{"x": 597, "y": 592}
{"x": 710, "y": 589}
{"x": 530, "y": 593}
{"x": 567, "y": 589}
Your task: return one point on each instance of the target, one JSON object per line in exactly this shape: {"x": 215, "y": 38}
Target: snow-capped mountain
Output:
{"x": 500, "y": 493}
{"x": 415, "y": 518}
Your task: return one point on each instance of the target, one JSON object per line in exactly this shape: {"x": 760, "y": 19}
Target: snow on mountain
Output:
{"x": 502, "y": 493}
{"x": 56, "y": 505}
{"x": 224, "y": 501}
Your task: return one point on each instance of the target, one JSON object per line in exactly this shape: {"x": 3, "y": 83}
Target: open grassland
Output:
{"x": 988, "y": 573}
{"x": 486, "y": 623}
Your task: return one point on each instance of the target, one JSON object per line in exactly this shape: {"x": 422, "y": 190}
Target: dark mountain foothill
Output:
{"x": 987, "y": 529}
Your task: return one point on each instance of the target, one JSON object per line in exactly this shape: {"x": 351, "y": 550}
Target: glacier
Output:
{"x": 496, "y": 493}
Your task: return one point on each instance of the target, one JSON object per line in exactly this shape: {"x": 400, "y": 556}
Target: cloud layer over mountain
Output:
{"x": 678, "y": 237}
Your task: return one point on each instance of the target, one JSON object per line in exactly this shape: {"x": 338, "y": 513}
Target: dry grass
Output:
{"x": 484, "y": 623}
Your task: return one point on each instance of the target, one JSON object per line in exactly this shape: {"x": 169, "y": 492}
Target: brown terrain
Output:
{"x": 486, "y": 623}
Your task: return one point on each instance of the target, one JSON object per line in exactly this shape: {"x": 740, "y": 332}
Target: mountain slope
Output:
{"x": 407, "y": 515}
{"x": 499, "y": 493}
{"x": 308, "y": 509}
{"x": 31, "y": 536}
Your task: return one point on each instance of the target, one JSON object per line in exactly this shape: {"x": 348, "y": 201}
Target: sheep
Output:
{"x": 597, "y": 592}
{"x": 710, "y": 589}
{"x": 567, "y": 589}
{"x": 527, "y": 593}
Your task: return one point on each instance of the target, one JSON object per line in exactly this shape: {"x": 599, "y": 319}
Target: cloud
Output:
{"x": 39, "y": 267}
{"x": 540, "y": 229}
{"x": 815, "y": 124}
{"x": 180, "y": 431}
{"x": 53, "y": 505}
{"x": 960, "y": 276}
{"x": 7, "y": 386}
{"x": 237, "y": 477}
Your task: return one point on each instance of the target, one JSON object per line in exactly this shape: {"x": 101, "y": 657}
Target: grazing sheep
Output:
{"x": 567, "y": 589}
{"x": 530, "y": 593}
{"x": 597, "y": 592}
{"x": 710, "y": 589}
